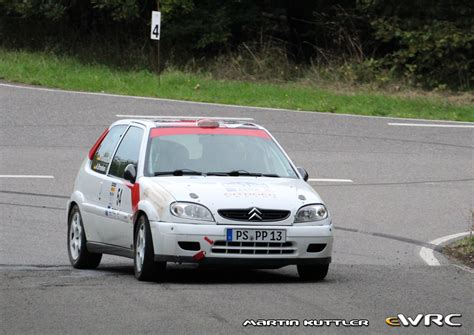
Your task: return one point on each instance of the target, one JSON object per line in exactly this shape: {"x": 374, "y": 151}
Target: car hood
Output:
{"x": 239, "y": 192}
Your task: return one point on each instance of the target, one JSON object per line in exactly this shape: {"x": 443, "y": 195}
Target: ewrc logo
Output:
{"x": 305, "y": 323}
{"x": 423, "y": 319}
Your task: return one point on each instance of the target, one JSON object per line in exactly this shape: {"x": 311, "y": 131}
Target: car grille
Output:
{"x": 253, "y": 248}
{"x": 254, "y": 214}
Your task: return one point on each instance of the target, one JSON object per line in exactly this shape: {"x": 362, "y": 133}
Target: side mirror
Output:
{"x": 130, "y": 173}
{"x": 303, "y": 173}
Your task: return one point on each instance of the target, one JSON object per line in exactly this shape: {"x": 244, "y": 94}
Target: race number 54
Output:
{"x": 155, "y": 25}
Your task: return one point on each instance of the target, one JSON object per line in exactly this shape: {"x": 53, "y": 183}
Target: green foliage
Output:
{"x": 426, "y": 43}
{"x": 173, "y": 7}
{"x": 67, "y": 73}
{"x": 434, "y": 54}
{"x": 51, "y": 10}
{"x": 119, "y": 10}
{"x": 205, "y": 25}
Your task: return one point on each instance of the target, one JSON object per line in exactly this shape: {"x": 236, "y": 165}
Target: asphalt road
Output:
{"x": 410, "y": 186}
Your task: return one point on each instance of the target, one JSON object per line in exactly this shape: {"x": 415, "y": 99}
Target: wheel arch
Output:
{"x": 70, "y": 206}
{"x": 136, "y": 216}
{"x": 147, "y": 208}
{"x": 77, "y": 198}
{"x": 144, "y": 207}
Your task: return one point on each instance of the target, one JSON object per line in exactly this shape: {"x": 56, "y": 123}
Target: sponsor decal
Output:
{"x": 426, "y": 320}
{"x": 109, "y": 211}
{"x": 245, "y": 190}
{"x": 99, "y": 167}
{"x": 118, "y": 202}
{"x": 306, "y": 323}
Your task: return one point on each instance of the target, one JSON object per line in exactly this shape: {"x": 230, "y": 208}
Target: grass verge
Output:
{"x": 68, "y": 73}
{"x": 462, "y": 250}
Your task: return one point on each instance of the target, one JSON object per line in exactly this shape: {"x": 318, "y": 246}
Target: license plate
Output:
{"x": 255, "y": 235}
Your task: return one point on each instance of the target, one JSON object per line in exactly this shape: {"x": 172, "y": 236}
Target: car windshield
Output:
{"x": 225, "y": 153}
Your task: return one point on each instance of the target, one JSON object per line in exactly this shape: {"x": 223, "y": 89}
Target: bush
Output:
{"x": 423, "y": 42}
{"x": 437, "y": 54}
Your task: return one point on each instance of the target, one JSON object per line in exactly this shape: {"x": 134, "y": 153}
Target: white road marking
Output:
{"x": 216, "y": 104}
{"x": 463, "y": 267}
{"x": 25, "y": 176}
{"x": 431, "y": 125}
{"x": 427, "y": 254}
{"x": 331, "y": 180}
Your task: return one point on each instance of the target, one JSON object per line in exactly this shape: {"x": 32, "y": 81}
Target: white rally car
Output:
{"x": 208, "y": 191}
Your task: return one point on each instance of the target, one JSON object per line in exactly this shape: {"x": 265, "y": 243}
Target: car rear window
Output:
{"x": 103, "y": 155}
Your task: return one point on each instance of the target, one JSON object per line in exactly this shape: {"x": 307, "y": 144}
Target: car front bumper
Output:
{"x": 213, "y": 249}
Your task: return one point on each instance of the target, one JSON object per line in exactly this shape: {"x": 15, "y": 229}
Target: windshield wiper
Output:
{"x": 179, "y": 172}
{"x": 220, "y": 174}
{"x": 237, "y": 173}
{"x": 272, "y": 175}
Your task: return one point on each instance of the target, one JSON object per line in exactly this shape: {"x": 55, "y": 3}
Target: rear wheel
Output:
{"x": 313, "y": 272}
{"x": 79, "y": 256}
{"x": 146, "y": 269}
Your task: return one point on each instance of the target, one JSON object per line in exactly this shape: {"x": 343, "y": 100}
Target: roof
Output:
{"x": 193, "y": 122}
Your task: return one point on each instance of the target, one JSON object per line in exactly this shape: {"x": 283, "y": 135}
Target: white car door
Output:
{"x": 90, "y": 182}
{"x": 117, "y": 225}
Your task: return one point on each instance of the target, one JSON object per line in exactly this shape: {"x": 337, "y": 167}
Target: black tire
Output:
{"x": 313, "y": 272}
{"x": 146, "y": 269}
{"x": 79, "y": 256}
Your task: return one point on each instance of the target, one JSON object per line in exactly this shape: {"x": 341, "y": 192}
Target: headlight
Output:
{"x": 189, "y": 210}
{"x": 309, "y": 213}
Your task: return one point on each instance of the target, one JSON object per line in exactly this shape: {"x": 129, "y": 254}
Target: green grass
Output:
{"x": 466, "y": 245}
{"x": 68, "y": 73}
{"x": 462, "y": 250}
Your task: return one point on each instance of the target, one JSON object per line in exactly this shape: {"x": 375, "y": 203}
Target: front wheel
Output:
{"x": 313, "y": 272}
{"x": 146, "y": 269}
{"x": 79, "y": 256}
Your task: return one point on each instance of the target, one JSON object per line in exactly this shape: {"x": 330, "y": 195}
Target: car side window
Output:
{"x": 127, "y": 152}
{"x": 103, "y": 154}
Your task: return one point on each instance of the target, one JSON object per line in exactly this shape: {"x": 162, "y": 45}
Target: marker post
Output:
{"x": 155, "y": 35}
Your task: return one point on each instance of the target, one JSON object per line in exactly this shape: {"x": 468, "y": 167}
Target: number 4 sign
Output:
{"x": 155, "y": 25}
